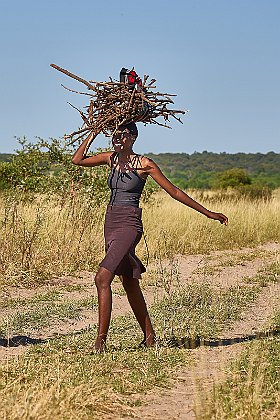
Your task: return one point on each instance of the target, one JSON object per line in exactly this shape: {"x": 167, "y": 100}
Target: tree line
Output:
{"x": 203, "y": 170}
{"x": 47, "y": 165}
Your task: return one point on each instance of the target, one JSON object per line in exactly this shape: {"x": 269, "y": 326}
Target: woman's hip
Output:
{"x": 120, "y": 218}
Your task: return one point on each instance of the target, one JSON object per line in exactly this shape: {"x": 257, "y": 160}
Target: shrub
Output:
{"x": 46, "y": 166}
{"x": 231, "y": 178}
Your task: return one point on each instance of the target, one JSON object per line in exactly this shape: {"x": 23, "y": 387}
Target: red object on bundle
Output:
{"x": 130, "y": 77}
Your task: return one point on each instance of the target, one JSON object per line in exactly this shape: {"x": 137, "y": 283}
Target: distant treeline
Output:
{"x": 200, "y": 170}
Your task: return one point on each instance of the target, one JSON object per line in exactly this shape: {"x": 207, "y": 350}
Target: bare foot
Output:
{"x": 150, "y": 341}
{"x": 100, "y": 345}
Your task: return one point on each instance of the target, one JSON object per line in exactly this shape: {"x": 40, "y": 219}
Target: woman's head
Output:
{"x": 131, "y": 127}
{"x": 125, "y": 136}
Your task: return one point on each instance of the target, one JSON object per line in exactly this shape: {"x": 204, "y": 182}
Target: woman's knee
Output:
{"x": 103, "y": 278}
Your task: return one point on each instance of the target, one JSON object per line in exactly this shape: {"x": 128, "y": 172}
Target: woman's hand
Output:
{"x": 80, "y": 158}
{"x": 218, "y": 216}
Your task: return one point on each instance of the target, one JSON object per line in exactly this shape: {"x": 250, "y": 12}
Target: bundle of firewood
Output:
{"x": 114, "y": 103}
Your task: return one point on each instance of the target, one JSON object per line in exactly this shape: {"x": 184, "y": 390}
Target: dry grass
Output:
{"x": 172, "y": 228}
{"x": 48, "y": 237}
{"x": 62, "y": 379}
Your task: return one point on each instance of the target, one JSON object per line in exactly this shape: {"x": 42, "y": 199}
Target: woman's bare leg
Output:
{"x": 138, "y": 305}
{"x": 103, "y": 280}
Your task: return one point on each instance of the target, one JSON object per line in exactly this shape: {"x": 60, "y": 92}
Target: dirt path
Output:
{"x": 227, "y": 268}
{"x": 185, "y": 396}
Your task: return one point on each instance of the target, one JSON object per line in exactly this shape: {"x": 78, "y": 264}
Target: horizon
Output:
{"x": 186, "y": 153}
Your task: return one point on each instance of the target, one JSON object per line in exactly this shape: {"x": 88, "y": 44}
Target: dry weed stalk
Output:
{"x": 114, "y": 103}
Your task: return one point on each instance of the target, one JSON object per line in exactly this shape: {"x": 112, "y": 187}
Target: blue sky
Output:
{"x": 220, "y": 57}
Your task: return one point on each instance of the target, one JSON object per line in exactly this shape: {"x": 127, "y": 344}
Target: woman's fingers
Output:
{"x": 223, "y": 219}
{"x": 220, "y": 217}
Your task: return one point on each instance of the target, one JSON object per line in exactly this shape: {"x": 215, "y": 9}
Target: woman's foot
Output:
{"x": 100, "y": 345}
{"x": 149, "y": 341}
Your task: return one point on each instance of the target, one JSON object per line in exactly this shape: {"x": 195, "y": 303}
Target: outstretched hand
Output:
{"x": 218, "y": 216}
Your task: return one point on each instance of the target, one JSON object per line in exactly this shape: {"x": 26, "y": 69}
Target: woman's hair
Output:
{"x": 131, "y": 127}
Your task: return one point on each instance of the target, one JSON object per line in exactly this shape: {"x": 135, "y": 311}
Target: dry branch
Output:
{"x": 114, "y": 103}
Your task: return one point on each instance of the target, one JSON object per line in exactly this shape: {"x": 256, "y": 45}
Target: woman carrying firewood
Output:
{"x": 123, "y": 225}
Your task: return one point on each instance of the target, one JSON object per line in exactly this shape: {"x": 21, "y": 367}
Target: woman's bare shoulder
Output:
{"x": 148, "y": 163}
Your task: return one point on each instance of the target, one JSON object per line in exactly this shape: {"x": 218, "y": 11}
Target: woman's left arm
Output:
{"x": 151, "y": 168}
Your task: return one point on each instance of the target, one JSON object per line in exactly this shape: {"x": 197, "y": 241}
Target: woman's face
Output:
{"x": 122, "y": 140}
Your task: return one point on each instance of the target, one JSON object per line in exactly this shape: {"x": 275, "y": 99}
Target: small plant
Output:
{"x": 265, "y": 276}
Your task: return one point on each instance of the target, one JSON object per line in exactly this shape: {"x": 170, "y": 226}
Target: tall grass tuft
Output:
{"x": 48, "y": 237}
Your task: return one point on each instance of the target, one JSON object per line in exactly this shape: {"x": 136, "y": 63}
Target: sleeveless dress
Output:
{"x": 123, "y": 227}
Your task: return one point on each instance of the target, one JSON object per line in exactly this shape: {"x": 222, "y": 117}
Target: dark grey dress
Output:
{"x": 123, "y": 227}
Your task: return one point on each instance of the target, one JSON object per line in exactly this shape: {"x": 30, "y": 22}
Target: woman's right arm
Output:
{"x": 80, "y": 156}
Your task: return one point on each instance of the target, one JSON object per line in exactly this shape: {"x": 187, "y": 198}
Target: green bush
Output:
{"x": 234, "y": 177}
{"x": 26, "y": 169}
{"x": 46, "y": 167}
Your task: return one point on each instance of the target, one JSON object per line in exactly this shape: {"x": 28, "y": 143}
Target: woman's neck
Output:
{"x": 126, "y": 155}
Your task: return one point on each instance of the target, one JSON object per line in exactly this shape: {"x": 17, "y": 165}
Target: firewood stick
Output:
{"x": 75, "y": 91}
{"x": 81, "y": 114}
{"x": 90, "y": 86}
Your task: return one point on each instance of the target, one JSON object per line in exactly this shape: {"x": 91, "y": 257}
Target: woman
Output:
{"x": 123, "y": 225}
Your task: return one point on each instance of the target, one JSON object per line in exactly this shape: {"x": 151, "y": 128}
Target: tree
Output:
{"x": 233, "y": 178}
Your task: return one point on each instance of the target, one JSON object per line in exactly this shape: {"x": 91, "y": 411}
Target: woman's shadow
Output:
{"x": 184, "y": 342}
{"x": 20, "y": 340}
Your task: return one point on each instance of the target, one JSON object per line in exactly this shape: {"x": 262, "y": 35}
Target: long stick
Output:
{"x": 89, "y": 85}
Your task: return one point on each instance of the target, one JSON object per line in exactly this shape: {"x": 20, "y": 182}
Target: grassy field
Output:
{"x": 61, "y": 377}
{"x": 174, "y": 229}
{"x": 48, "y": 237}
